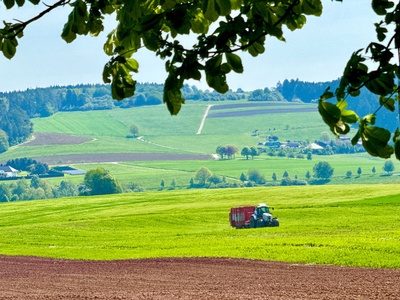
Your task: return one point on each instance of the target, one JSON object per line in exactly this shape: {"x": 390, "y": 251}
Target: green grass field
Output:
{"x": 349, "y": 225}
{"x": 177, "y": 134}
{"x": 109, "y": 131}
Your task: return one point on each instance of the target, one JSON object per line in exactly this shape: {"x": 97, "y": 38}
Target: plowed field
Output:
{"x": 195, "y": 278}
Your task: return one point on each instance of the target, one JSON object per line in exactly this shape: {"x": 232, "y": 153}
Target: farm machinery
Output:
{"x": 252, "y": 216}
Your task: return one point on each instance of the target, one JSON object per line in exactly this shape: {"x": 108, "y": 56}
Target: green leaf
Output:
{"x": 9, "y": 48}
{"x": 380, "y": 6}
{"x": 67, "y": 34}
{"x": 35, "y": 2}
{"x": 209, "y": 10}
{"x": 327, "y": 94}
{"x": 396, "y": 141}
{"x": 256, "y": 48}
{"x": 397, "y": 149}
{"x": 388, "y": 103}
{"x": 132, "y": 65}
{"x": 224, "y": 7}
{"x": 375, "y": 141}
{"x": 172, "y": 94}
{"x": 356, "y": 138}
{"x": 382, "y": 85}
{"x": 235, "y": 62}
{"x": 331, "y": 115}
{"x": 20, "y": 2}
{"x": 349, "y": 116}
{"x": 369, "y": 119}
{"x": 199, "y": 23}
{"x": 107, "y": 73}
{"x": 9, "y": 3}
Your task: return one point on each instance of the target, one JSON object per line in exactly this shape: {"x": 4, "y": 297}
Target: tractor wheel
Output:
{"x": 275, "y": 223}
{"x": 253, "y": 223}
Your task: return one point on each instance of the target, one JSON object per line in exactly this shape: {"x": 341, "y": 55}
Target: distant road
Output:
{"x": 204, "y": 119}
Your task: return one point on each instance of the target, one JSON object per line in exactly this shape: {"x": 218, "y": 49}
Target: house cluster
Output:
{"x": 6, "y": 171}
{"x": 274, "y": 143}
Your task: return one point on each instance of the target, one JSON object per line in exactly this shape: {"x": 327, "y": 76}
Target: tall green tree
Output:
{"x": 5, "y": 193}
{"x": 3, "y": 141}
{"x": 256, "y": 177}
{"x": 221, "y": 151}
{"x": 388, "y": 166}
{"x": 202, "y": 175}
{"x": 323, "y": 170}
{"x": 243, "y": 177}
{"x": 99, "y": 182}
{"x": 246, "y": 151}
{"x": 254, "y": 152}
{"x": 134, "y": 130}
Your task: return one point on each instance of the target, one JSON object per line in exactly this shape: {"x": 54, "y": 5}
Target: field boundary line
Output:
{"x": 204, "y": 119}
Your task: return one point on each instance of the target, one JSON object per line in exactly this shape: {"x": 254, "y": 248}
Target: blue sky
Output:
{"x": 317, "y": 52}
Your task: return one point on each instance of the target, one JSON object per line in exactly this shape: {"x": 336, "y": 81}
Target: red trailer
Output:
{"x": 240, "y": 216}
{"x": 252, "y": 217}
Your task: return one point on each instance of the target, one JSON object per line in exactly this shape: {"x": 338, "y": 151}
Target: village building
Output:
{"x": 6, "y": 171}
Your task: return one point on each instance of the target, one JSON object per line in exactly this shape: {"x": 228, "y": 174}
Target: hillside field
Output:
{"x": 101, "y": 137}
{"x": 352, "y": 225}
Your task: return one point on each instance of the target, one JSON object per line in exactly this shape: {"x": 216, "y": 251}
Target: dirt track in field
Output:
{"x": 195, "y": 278}
{"x": 46, "y": 139}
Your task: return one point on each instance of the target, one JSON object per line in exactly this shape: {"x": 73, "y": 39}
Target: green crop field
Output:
{"x": 349, "y": 225}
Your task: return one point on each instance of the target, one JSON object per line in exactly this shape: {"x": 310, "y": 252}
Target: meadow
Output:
{"x": 350, "y": 225}
{"x": 162, "y": 133}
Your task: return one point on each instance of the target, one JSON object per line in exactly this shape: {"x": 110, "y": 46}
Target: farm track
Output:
{"x": 191, "y": 278}
{"x": 118, "y": 157}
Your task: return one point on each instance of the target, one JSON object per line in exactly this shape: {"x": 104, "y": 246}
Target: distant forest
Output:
{"x": 18, "y": 107}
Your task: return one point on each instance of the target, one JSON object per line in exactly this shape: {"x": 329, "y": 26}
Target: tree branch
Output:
{"x": 16, "y": 29}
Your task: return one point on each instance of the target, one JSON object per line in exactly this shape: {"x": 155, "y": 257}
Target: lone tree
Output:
{"x": 388, "y": 166}
{"x": 246, "y": 151}
{"x": 373, "y": 170}
{"x": 243, "y": 177}
{"x": 202, "y": 175}
{"x": 254, "y": 152}
{"x": 256, "y": 177}
{"x": 223, "y": 29}
{"x": 100, "y": 182}
{"x": 323, "y": 170}
{"x": 134, "y": 130}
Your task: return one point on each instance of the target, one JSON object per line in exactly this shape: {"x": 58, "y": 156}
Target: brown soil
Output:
{"x": 42, "y": 139}
{"x": 117, "y": 157}
{"x": 247, "y": 113}
{"x": 195, "y": 278}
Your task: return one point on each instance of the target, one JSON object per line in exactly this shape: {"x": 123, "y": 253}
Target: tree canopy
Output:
{"x": 222, "y": 29}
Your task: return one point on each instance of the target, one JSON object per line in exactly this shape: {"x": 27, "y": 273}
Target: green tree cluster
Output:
{"x": 100, "y": 182}
{"x": 228, "y": 151}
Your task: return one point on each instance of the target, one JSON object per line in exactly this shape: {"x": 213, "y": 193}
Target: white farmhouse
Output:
{"x": 6, "y": 171}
